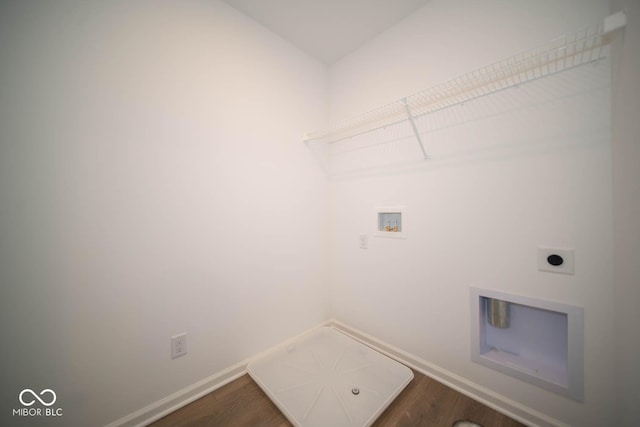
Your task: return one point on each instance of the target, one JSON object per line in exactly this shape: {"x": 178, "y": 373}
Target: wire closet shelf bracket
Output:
{"x": 557, "y": 55}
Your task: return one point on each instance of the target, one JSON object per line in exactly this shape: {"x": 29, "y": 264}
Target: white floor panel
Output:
{"x": 329, "y": 379}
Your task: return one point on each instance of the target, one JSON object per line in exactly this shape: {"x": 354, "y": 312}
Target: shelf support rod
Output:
{"x": 413, "y": 125}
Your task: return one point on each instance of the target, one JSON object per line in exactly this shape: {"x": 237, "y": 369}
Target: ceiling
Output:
{"x": 327, "y": 29}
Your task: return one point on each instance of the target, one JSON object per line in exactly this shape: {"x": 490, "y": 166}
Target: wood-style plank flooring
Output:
{"x": 424, "y": 402}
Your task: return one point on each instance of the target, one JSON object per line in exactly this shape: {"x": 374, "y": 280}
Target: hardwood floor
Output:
{"x": 424, "y": 402}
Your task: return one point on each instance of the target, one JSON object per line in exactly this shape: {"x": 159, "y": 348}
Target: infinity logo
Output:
{"x": 36, "y": 397}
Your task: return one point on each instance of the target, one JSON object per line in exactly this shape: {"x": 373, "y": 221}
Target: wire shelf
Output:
{"x": 559, "y": 54}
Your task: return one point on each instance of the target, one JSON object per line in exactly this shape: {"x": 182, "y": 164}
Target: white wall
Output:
{"x": 442, "y": 41}
{"x": 152, "y": 182}
{"x": 626, "y": 210}
{"x": 539, "y": 175}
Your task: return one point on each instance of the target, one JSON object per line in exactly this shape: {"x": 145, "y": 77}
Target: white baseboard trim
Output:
{"x": 177, "y": 400}
{"x": 475, "y": 391}
{"x": 155, "y": 411}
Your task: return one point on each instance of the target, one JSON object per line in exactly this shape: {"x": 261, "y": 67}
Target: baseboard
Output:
{"x": 177, "y": 400}
{"x": 477, "y": 392}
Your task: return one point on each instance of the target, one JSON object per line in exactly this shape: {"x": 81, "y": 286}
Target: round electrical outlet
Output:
{"x": 555, "y": 260}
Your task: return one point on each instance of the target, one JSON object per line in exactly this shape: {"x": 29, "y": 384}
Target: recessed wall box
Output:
{"x": 542, "y": 343}
{"x": 391, "y": 222}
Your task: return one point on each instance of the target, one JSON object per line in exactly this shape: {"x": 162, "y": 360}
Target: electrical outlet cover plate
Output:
{"x": 178, "y": 345}
{"x": 364, "y": 241}
{"x": 555, "y": 260}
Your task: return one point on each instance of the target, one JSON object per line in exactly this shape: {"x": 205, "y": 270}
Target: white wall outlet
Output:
{"x": 178, "y": 345}
{"x": 364, "y": 241}
{"x": 555, "y": 260}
